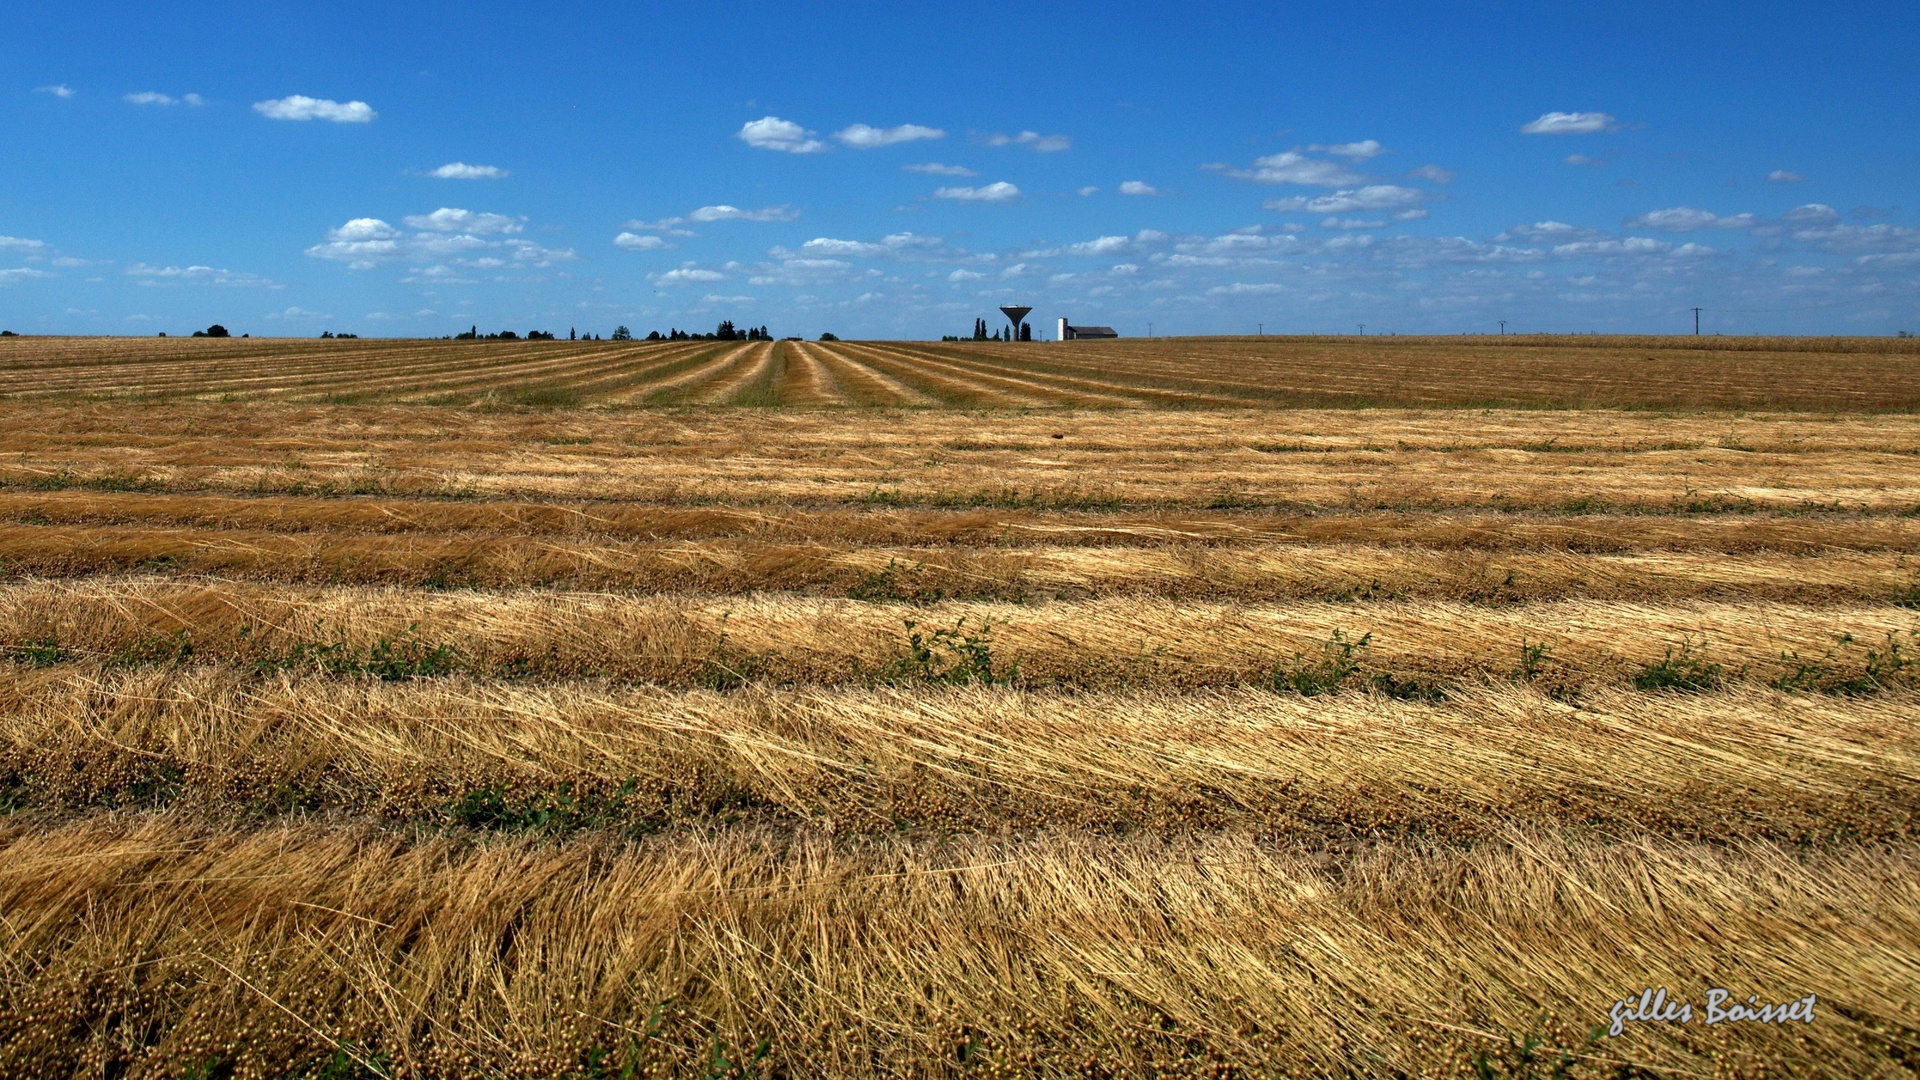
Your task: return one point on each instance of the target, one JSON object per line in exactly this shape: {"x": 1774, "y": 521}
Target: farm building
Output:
{"x": 1075, "y": 333}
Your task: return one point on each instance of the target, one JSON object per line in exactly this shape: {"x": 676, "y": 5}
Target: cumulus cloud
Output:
{"x": 1811, "y": 214}
{"x": 448, "y": 219}
{"x": 1032, "y": 140}
{"x": 1688, "y": 219}
{"x": 773, "y": 133}
{"x": 1568, "y": 123}
{"x": 965, "y": 275}
{"x": 59, "y": 90}
{"x": 1851, "y": 238}
{"x": 934, "y": 168}
{"x": 1355, "y": 151}
{"x": 825, "y": 245}
{"x": 782, "y": 212}
{"x": 999, "y": 191}
{"x": 1371, "y": 197}
{"x": 1782, "y": 176}
{"x": 150, "y": 97}
{"x": 1087, "y": 190}
{"x": 302, "y": 107}
{"x": 20, "y": 243}
{"x": 1548, "y": 232}
{"x": 1351, "y": 223}
{"x": 198, "y": 275}
{"x": 627, "y": 241}
{"x": 1138, "y": 187}
{"x": 1631, "y": 245}
{"x": 1434, "y": 173}
{"x": 22, "y": 273}
{"x": 1104, "y": 245}
{"x": 862, "y": 137}
{"x": 460, "y": 170}
{"x": 1293, "y": 167}
{"x": 445, "y": 234}
{"x": 686, "y": 274}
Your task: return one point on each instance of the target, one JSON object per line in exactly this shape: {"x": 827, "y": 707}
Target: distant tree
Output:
{"x": 8, "y": 333}
{"x": 539, "y": 335}
{"x": 653, "y": 335}
{"x": 216, "y": 330}
{"x": 472, "y": 334}
{"x": 508, "y": 335}
{"x": 621, "y": 333}
{"x": 326, "y": 333}
{"x": 1026, "y": 331}
{"x": 724, "y": 332}
{"x": 828, "y": 336}
{"x": 570, "y": 335}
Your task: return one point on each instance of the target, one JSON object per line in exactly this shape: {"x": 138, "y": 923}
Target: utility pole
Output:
{"x": 1503, "y": 328}
{"x": 1262, "y": 329}
{"x": 1363, "y": 328}
{"x": 1149, "y": 329}
{"x": 1696, "y": 322}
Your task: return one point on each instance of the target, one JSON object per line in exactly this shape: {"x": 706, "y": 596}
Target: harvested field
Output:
{"x": 1851, "y": 374}
{"x": 1190, "y": 708}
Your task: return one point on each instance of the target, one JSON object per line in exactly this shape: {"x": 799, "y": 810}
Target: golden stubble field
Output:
{"x": 1203, "y": 707}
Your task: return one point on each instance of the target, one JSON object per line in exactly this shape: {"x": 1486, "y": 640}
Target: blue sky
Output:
{"x": 895, "y": 170}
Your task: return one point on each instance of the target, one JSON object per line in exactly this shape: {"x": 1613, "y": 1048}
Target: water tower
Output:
{"x": 1014, "y": 314}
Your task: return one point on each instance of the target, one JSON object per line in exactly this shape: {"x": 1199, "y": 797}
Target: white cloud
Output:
{"x": 150, "y": 97}
{"x": 1032, "y": 140}
{"x": 1434, "y": 173}
{"x": 1416, "y": 214}
{"x": 715, "y": 298}
{"x": 1242, "y": 288}
{"x": 1351, "y": 223}
{"x": 1582, "y": 159}
{"x": 1105, "y": 245}
{"x": 1861, "y": 237}
{"x": 1371, "y": 197}
{"x": 862, "y": 137}
{"x": 448, "y": 219}
{"x": 1088, "y": 190}
{"x": 686, "y": 274}
{"x": 302, "y": 107}
{"x": 825, "y": 245}
{"x": 734, "y": 213}
{"x": 22, "y": 273}
{"x": 1688, "y": 219}
{"x": 1811, "y": 214}
{"x": 1353, "y": 151}
{"x": 460, "y": 170}
{"x": 934, "y": 168}
{"x": 627, "y": 241}
{"x": 1782, "y": 176}
{"x": 20, "y": 243}
{"x": 999, "y": 191}
{"x": 1123, "y": 269}
{"x": 1632, "y": 245}
{"x": 1568, "y": 123}
{"x": 773, "y": 133}
{"x": 965, "y": 275}
{"x": 1138, "y": 187}
{"x": 59, "y": 90}
{"x": 1293, "y": 167}
{"x": 447, "y": 234}
{"x": 1548, "y": 232}
{"x": 198, "y": 275}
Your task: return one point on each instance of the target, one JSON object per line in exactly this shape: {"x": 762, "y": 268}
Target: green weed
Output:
{"x": 1686, "y": 672}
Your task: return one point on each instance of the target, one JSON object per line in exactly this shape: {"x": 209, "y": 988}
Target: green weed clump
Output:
{"x": 1686, "y": 672}
{"x": 951, "y": 655}
{"x": 1338, "y": 663}
{"x": 389, "y": 659}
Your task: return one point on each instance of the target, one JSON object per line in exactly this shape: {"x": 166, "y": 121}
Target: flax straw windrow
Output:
{"x": 1190, "y": 708}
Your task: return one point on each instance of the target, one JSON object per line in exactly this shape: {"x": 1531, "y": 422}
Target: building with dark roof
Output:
{"x": 1079, "y": 333}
